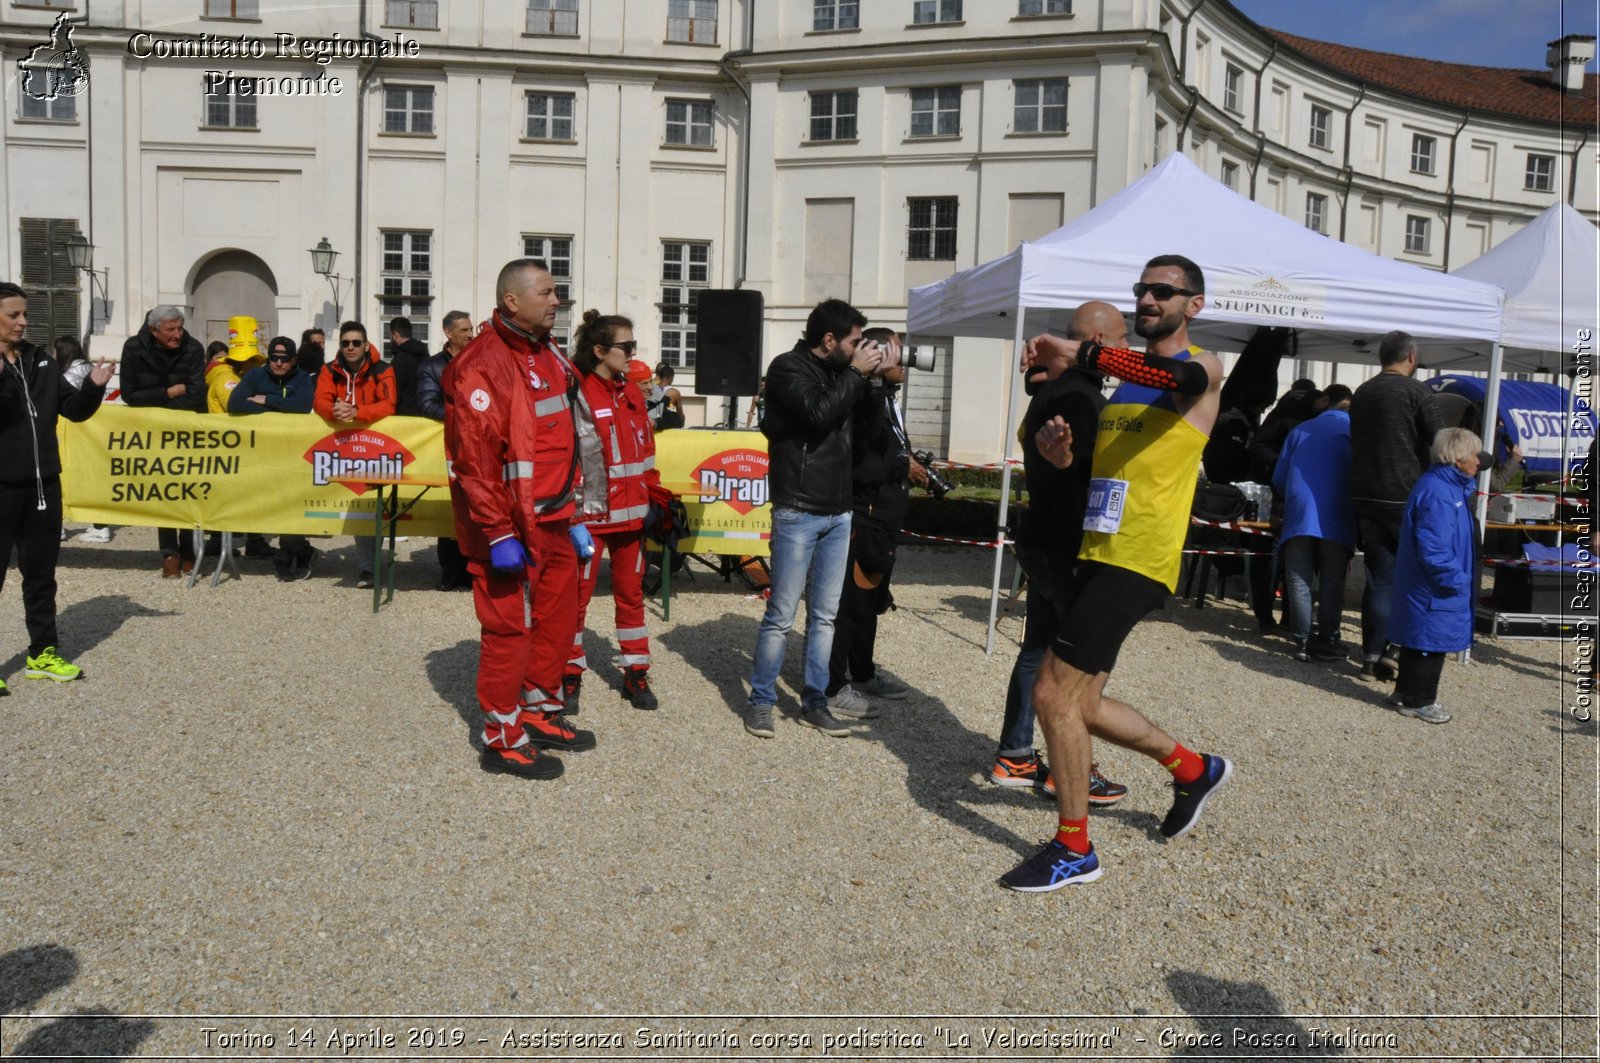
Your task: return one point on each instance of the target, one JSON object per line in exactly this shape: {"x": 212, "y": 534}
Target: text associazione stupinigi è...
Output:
{"x": 284, "y": 46}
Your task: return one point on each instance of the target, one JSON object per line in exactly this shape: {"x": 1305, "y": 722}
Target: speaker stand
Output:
{"x": 730, "y": 410}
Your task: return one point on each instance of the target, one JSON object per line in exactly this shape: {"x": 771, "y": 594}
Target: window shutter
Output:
{"x": 50, "y": 280}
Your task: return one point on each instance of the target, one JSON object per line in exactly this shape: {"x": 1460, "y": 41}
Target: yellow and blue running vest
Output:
{"x": 1146, "y": 460}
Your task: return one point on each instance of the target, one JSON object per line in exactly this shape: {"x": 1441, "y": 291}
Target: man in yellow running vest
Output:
{"x": 1146, "y": 461}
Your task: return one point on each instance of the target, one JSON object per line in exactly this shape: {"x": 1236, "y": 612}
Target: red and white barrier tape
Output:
{"x": 1227, "y": 553}
{"x": 990, "y": 543}
{"x": 993, "y": 466}
{"x": 1193, "y": 520}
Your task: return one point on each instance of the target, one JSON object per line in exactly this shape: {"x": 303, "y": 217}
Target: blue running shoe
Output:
{"x": 1189, "y": 798}
{"x": 1051, "y": 868}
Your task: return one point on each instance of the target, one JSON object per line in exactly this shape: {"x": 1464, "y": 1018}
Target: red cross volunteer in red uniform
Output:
{"x": 511, "y": 436}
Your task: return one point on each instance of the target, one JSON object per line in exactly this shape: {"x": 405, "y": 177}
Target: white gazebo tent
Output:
{"x": 1261, "y": 269}
{"x": 1550, "y": 270}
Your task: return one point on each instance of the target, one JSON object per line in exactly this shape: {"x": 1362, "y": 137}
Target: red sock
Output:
{"x": 1074, "y": 834}
{"x": 1184, "y": 765}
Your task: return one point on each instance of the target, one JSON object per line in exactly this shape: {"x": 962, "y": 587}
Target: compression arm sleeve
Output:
{"x": 1186, "y": 377}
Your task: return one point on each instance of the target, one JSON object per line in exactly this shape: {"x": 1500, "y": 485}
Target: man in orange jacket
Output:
{"x": 357, "y": 387}
{"x": 510, "y": 429}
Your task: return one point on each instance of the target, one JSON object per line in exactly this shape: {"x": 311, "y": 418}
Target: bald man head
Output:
{"x": 1100, "y": 322}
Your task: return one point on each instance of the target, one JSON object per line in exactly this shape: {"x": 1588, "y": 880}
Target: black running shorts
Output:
{"x": 1106, "y": 602}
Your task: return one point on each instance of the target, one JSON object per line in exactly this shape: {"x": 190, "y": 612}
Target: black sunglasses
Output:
{"x": 280, "y": 357}
{"x": 1162, "y": 292}
{"x": 352, "y": 343}
{"x": 627, "y": 348}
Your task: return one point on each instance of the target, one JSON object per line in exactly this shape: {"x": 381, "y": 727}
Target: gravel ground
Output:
{"x": 262, "y": 801}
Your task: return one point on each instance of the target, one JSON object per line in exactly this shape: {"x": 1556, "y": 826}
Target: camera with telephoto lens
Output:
{"x": 937, "y": 485}
{"x": 914, "y": 357}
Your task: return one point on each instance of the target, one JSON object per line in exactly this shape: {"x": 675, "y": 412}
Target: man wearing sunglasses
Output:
{"x": 356, "y": 387}
{"x": 1146, "y": 460}
{"x": 279, "y": 386}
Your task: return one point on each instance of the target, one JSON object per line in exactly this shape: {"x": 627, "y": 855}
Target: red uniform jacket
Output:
{"x": 508, "y": 434}
{"x": 623, "y": 425}
{"x": 370, "y": 389}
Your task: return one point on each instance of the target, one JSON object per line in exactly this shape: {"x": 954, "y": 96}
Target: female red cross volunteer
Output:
{"x": 603, "y": 347}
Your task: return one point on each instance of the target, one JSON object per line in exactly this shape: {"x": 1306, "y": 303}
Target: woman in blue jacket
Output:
{"x": 1436, "y": 573}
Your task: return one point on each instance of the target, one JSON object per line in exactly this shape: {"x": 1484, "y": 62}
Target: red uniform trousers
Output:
{"x": 526, "y": 631}
{"x": 627, "y": 590}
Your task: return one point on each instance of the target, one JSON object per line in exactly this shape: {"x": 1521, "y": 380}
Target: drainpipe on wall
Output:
{"x": 1261, "y": 138}
{"x": 1349, "y": 171}
{"x": 742, "y": 258}
{"x": 1572, "y": 170}
{"x": 1450, "y": 190}
{"x": 1183, "y": 44}
{"x": 361, "y": 167}
{"x": 1194, "y": 101}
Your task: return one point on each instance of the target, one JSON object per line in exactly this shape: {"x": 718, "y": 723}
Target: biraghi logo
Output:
{"x": 358, "y": 454}
{"x": 737, "y": 477}
{"x": 56, "y": 68}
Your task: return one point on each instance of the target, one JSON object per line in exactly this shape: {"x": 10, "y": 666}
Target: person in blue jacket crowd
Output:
{"x": 280, "y": 386}
{"x": 1436, "y": 573}
{"x": 1319, "y": 525}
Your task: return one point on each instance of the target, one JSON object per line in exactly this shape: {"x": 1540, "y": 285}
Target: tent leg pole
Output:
{"x": 1013, "y": 396}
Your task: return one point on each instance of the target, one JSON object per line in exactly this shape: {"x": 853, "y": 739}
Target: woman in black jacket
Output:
{"x": 32, "y": 396}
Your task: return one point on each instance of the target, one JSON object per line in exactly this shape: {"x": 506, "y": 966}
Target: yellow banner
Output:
{"x": 272, "y": 473}
{"x": 722, "y": 478}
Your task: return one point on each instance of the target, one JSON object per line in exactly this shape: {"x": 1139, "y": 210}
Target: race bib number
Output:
{"x": 1106, "y": 499}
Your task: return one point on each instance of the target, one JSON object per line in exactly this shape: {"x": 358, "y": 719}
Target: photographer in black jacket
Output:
{"x": 811, "y": 393}
{"x": 32, "y": 396}
{"x": 881, "y": 474}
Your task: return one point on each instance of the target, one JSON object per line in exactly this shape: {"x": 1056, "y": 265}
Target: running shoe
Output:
{"x": 758, "y": 721}
{"x": 1102, "y": 791}
{"x": 1021, "y": 773}
{"x": 548, "y": 730}
{"x": 525, "y": 762}
{"x": 51, "y": 665}
{"x": 94, "y": 535}
{"x": 1189, "y": 798}
{"x": 883, "y": 685}
{"x": 1052, "y": 867}
{"x": 850, "y": 703}
{"x": 1426, "y": 713}
{"x": 823, "y": 720}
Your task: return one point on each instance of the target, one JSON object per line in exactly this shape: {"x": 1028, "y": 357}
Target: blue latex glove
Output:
{"x": 508, "y": 559}
{"x": 582, "y": 541}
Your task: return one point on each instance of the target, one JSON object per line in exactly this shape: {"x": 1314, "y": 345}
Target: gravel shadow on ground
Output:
{"x": 87, "y": 624}
{"x": 28, "y": 975}
{"x": 1243, "y": 1019}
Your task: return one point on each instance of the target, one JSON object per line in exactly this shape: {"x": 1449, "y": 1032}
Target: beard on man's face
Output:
{"x": 838, "y": 356}
{"x": 1158, "y": 328}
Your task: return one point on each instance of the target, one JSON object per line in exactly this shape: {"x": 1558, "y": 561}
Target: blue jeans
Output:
{"x": 805, "y": 547}
{"x": 1380, "y": 541}
{"x": 1307, "y": 558}
{"x": 1049, "y": 576}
